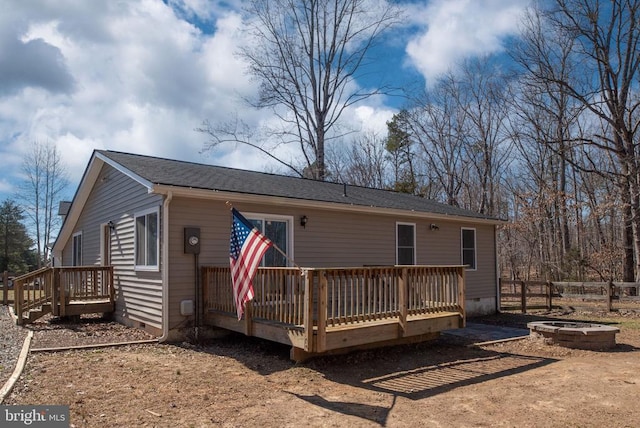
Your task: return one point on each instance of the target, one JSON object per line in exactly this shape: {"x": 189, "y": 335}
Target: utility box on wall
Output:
{"x": 192, "y": 240}
{"x": 186, "y": 308}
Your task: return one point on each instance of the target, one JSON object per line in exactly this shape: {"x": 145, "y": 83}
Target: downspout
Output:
{"x": 165, "y": 267}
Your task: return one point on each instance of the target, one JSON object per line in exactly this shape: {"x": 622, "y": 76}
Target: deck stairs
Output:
{"x": 37, "y": 313}
{"x": 64, "y": 291}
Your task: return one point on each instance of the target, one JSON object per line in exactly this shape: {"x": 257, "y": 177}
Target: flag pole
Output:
{"x": 273, "y": 244}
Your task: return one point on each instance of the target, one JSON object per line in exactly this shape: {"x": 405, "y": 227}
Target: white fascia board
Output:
{"x": 304, "y": 203}
{"x": 146, "y": 183}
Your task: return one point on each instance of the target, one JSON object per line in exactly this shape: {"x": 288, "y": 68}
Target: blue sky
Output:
{"x": 138, "y": 76}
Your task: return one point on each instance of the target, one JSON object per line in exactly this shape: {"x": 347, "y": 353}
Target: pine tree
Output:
{"x": 16, "y": 254}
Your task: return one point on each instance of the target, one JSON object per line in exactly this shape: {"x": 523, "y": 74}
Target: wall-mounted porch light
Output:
{"x": 303, "y": 221}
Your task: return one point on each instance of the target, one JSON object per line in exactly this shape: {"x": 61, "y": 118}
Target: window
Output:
{"x": 277, "y": 229}
{"x": 77, "y": 250}
{"x": 405, "y": 243}
{"x": 147, "y": 240}
{"x": 469, "y": 248}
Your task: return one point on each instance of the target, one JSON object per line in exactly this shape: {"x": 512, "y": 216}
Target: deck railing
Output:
{"x": 33, "y": 289}
{"x": 333, "y": 297}
{"x": 59, "y": 286}
{"x": 279, "y": 293}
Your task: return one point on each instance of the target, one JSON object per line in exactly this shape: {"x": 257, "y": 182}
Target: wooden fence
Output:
{"x": 6, "y": 290}
{"x": 523, "y": 295}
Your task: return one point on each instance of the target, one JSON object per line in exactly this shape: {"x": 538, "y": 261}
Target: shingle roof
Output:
{"x": 200, "y": 176}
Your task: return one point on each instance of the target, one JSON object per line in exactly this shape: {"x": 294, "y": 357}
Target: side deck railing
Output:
{"x": 324, "y": 298}
{"x": 60, "y": 286}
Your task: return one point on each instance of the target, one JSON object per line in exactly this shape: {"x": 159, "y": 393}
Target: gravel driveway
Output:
{"x": 11, "y": 340}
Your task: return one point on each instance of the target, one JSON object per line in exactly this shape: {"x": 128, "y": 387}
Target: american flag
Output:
{"x": 248, "y": 246}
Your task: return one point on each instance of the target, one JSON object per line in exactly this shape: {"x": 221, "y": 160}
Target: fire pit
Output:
{"x": 576, "y": 335}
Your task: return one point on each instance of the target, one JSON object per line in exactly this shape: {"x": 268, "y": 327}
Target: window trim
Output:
{"x": 145, "y": 213}
{"x": 75, "y": 262}
{"x": 415, "y": 241}
{"x": 475, "y": 248}
{"x": 289, "y": 219}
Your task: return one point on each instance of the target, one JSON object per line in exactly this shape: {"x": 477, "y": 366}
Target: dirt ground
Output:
{"x": 245, "y": 382}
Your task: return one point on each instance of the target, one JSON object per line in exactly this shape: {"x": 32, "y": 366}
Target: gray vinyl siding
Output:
{"x": 330, "y": 239}
{"x": 117, "y": 198}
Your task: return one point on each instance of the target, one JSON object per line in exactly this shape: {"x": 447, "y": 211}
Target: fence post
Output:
{"x": 523, "y": 297}
{"x": 609, "y": 295}
{"x": 549, "y": 295}
{"x": 5, "y": 287}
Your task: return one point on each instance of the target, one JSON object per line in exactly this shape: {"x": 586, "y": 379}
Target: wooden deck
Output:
{"x": 320, "y": 311}
{"x": 64, "y": 291}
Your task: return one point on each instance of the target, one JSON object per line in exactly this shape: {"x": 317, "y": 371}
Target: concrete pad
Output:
{"x": 478, "y": 333}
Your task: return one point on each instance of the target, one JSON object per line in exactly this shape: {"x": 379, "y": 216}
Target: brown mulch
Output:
{"x": 91, "y": 329}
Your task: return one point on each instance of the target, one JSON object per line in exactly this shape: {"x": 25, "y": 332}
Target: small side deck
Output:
{"x": 64, "y": 291}
{"x": 328, "y": 310}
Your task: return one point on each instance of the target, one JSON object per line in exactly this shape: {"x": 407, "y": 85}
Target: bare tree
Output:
{"x": 363, "y": 162}
{"x": 436, "y": 128}
{"x": 306, "y": 55}
{"x": 607, "y": 46}
{"x": 41, "y": 192}
{"x": 482, "y": 96}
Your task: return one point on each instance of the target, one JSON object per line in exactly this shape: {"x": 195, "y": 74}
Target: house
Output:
{"x": 140, "y": 214}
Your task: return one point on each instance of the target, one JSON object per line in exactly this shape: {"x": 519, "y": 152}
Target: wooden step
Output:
{"x": 34, "y": 314}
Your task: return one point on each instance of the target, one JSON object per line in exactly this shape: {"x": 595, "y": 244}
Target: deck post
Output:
{"x": 112, "y": 287}
{"x": 461, "y": 301}
{"x": 321, "y": 338}
{"x": 403, "y": 294}
{"x": 308, "y": 310}
{"x": 55, "y": 292}
{"x": 18, "y": 298}
{"x": 62, "y": 292}
{"x": 248, "y": 318}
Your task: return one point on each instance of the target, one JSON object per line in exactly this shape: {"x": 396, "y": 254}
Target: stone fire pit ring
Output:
{"x": 576, "y": 335}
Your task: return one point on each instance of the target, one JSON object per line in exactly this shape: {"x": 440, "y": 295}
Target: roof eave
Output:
{"x": 164, "y": 189}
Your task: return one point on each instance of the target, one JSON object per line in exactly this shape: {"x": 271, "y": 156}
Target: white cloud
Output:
{"x": 139, "y": 76}
{"x": 455, "y": 29}
{"x": 143, "y": 79}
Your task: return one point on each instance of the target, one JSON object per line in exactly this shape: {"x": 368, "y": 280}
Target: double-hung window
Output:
{"x": 405, "y": 244}
{"x": 147, "y": 239}
{"x": 77, "y": 249}
{"x": 278, "y": 230}
{"x": 469, "y": 247}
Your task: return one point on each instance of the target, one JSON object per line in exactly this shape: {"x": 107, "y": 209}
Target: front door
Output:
{"x": 105, "y": 250}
